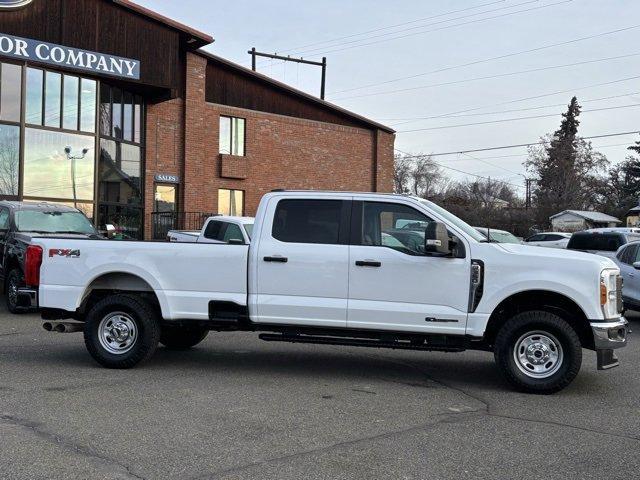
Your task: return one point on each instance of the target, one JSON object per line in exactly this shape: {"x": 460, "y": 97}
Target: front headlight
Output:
{"x": 611, "y": 293}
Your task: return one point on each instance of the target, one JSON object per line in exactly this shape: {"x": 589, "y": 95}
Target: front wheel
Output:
{"x": 121, "y": 331}
{"x": 538, "y": 352}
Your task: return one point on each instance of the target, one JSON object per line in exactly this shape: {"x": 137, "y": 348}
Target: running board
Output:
{"x": 360, "y": 342}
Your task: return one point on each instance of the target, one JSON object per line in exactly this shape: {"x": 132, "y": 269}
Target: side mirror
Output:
{"x": 111, "y": 231}
{"x": 235, "y": 241}
{"x": 636, "y": 265}
{"x": 436, "y": 239}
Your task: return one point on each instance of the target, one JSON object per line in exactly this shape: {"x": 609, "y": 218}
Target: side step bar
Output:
{"x": 360, "y": 342}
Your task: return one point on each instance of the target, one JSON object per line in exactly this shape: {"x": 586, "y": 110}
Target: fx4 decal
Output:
{"x": 63, "y": 252}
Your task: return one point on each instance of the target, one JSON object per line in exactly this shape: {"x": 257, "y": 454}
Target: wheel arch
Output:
{"x": 116, "y": 282}
{"x": 546, "y": 300}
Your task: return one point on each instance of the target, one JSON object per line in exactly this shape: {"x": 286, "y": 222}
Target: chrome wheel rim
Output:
{"x": 117, "y": 333}
{"x": 538, "y": 354}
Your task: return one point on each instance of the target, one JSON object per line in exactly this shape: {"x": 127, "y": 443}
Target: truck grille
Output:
{"x": 619, "y": 282}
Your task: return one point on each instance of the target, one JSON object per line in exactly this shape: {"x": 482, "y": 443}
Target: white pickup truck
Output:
{"x": 369, "y": 270}
{"x": 217, "y": 229}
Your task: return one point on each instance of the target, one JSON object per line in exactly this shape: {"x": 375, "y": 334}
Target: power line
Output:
{"x": 487, "y": 149}
{"x": 508, "y": 7}
{"x": 409, "y": 156}
{"x": 294, "y": 49}
{"x": 445, "y": 27}
{"x": 487, "y": 77}
{"x": 530, "y": 117}
{"x": 594, "y": 85}
{"x": 588, "y": 100}
{"x": 490, "y": 59}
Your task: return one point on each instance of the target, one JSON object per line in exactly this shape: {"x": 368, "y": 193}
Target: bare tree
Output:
{"x": 9, "y": 163}
{"x": 419, "y": 175}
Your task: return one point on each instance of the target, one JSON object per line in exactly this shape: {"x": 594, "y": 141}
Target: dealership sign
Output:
{"x": 165, "y": 178}
{"x": 67, "y": 57}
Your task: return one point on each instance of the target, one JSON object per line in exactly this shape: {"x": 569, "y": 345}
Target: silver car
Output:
{"x": 628, "y": 259}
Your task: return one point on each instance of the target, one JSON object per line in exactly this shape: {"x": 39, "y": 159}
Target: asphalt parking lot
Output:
{"x": 238, "y": 408}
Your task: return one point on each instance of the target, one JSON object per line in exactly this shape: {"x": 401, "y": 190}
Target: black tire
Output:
{"x": 560, "y": 367}
{"x": 15, "y": 279}
{"x": 182, "y": 338}
{"x": 124, "y": 310}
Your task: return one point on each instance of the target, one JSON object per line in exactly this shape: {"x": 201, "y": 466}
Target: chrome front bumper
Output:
{"x": 607, "y": 337}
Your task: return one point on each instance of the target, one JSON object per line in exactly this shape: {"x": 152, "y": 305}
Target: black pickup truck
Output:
{"x": 19, "y": 223}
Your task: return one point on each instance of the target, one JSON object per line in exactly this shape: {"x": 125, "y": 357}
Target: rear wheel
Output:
{"x": 182, "y": 338}
{"x": 538, "y": 352}
{"x": 121, "y": 331}
{"x": 15, "y": 280}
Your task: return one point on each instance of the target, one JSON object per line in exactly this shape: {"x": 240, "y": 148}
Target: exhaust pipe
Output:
{"x": 63, "y": 327}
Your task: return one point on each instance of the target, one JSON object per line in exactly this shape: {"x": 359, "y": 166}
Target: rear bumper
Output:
{"x": 27, "y": 298}
{"x": 607, "y": 337}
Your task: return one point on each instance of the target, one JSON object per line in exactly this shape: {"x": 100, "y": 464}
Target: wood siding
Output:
{"x": 102, "y": 26}
{"x": 229, "y": 86}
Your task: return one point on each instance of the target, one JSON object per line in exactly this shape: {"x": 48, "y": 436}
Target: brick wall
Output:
{"x": 281, "y": 151}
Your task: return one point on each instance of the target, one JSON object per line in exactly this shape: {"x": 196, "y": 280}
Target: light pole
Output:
{"x": 73, "y": 159}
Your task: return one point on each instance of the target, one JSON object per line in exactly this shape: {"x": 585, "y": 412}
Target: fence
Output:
{"x": 162, "y": 222}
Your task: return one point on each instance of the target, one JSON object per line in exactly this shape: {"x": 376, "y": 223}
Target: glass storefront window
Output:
{"x": 52, "y": 102}
{"x": 128, "y": 221}
{"x": 70, "y": 102}
{"x": 105, "y": 110}
{"x": 11, "y": 92}
{"x": 119, "y": 173}
{"x": 9, "y": 159}
{"x": 49, "y": 173}
{"x": 166, "y": 198}
{"x": 35, "y": 86}
{"x": 116, "y": 116}
{"x": 88, "y": 105}
{"x": 137, "y": 120}
{"x": 127, "y": 126}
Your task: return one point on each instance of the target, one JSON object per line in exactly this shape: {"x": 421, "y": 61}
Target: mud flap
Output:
{"x": 607, "y": 359}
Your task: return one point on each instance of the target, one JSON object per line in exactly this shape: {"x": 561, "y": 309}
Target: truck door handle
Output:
{"x": 368, "y": 263}
{"x": 276, "y": 259}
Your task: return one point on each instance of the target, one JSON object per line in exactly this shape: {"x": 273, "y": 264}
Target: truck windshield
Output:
{"x": 455, "y": 221}
{"x": 53, "y": 222}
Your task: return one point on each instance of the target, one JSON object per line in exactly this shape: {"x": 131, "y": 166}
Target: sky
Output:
{"x": 399, "y": 62}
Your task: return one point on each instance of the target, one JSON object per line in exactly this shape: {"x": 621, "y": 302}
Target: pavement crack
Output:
{"x": 67, "y": 444}
{"x": 442, "y": 418}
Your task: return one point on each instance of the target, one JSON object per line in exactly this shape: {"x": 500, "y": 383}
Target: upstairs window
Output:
{"x": 232, "y": 136}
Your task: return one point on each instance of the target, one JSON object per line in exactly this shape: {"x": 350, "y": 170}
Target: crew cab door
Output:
{"x": 303, "y": 262}
{"x": 393, "y": 283}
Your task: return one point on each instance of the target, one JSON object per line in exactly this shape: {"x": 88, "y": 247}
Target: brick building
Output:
{"x": 159, "y": 131}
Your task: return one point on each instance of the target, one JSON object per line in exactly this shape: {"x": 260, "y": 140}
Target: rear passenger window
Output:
{"x": 232, "y": 232}
{"x": 308, "y": 221}
{"x": 214, "y": 231}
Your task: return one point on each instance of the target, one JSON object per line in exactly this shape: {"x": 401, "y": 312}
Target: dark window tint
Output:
{"x": 308, "y": 221}
{"x": 596, "y": 241}
{"x": 214, "y": 231}
{"x": 536, "y": 238}
{"x": 395, "y": 226}
{"x": 105, "y": 110}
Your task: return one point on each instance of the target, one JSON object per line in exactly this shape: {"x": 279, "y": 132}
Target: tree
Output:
{"x": 418, "y": 175}
{"x": 624, "y": 183}
{"x": 565, "y": 168}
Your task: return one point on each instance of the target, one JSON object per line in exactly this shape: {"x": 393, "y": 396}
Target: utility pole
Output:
{"x": 254, "y": 54}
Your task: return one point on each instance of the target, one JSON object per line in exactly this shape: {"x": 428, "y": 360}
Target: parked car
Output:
{"x": 549, "y": 239}
{"x": 217, "y": 229}
{"x": 601, "y": 242}
{"x": 319, "y": 271}
{"x": 628, "y": 259}
{"x": 19, "y": 223}
{"x": 498, "y": 236}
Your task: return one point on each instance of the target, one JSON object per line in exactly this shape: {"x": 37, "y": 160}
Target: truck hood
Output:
{"x": 531, "y": 253}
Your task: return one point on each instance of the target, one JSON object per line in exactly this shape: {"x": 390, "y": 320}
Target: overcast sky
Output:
{"x": 431, "y": 35}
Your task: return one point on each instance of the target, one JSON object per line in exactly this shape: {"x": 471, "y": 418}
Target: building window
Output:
{"x": 9, "y": 160}
{"x": 232, "y": 136}
{"x": 230, "y": 202}
{"x": 11, "y": 92}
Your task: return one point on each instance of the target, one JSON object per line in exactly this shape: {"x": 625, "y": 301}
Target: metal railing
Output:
{"x": 162, "y": 222}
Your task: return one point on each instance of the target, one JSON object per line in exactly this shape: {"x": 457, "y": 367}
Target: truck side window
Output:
{"x": 214, "y": 231}
{"x": 4, "y": 219}
{"x": 232, "y": 232}
{"x": 395, "y": 226}
{"x": 308, "y": 221}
